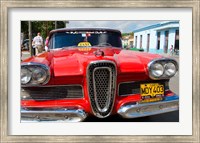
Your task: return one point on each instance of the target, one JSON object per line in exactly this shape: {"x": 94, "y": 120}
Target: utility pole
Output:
{"x": 30, "y": 38}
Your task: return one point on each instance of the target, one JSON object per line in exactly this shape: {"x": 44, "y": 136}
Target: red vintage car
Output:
{"x": 86, "y": 72}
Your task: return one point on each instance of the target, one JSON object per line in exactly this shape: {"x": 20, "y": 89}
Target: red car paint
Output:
{"x": 68, "y": 66}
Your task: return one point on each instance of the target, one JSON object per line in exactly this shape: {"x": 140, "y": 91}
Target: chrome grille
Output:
{"x": 101, "y": 87}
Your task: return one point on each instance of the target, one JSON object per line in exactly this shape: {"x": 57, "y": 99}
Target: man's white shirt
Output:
{"x": 38, "y": 41}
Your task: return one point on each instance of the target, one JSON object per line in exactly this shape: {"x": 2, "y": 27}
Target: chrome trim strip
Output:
{"x": 45, "y": 67}
{"x": 61, "y": 115}
{"x": 110, "y": 90}
{"x": 147, "y": 109}
{"x": 114, "y": 77}
{"x": 161, "y": 60}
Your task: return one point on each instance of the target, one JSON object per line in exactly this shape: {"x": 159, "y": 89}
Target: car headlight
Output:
{"x": 25, "y": 75}
{"x": 157, "y": 70}
{"x": 162, "y": 68}
{"x": 34, "y": 74}
{"x": 39, "y": 75}
{"x": 170, "y": 69}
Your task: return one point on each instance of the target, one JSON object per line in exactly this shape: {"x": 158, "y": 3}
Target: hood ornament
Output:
{"x": 99, "y": 53}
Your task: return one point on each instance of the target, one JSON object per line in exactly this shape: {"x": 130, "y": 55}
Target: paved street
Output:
{"x": 167, "y": 117}
{"x": 174, "y": 82}
{"x": 25, "y": 55}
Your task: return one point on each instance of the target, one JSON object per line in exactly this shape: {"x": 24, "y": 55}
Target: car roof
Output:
{"x": 83, "y": 29}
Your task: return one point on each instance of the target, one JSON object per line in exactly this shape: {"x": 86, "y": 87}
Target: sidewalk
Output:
{"x": 25, "y": 55}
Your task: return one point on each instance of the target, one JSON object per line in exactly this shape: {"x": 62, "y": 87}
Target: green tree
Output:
{"x": 126, "y": 34}
{"x": 24, "y": 29}
{"x": 44, "y": 27}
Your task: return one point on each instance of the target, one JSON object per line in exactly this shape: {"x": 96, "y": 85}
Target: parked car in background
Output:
{"x": 25, "y": 45}
{"x": 86, "y": 73}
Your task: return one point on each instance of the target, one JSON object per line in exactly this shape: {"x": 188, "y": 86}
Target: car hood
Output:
{"x": 74, "y": 61}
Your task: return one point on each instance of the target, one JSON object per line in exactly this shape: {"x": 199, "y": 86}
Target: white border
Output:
{"x": 183, "y": 127}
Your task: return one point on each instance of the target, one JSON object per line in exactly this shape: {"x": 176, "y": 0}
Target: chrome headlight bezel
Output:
{"x": 165, "y": 64}
{"x": 26, "y": 75}
{"x": 157, "y": 70}
{"x": 170, "y": 69}
{"x": 41, "y": 69}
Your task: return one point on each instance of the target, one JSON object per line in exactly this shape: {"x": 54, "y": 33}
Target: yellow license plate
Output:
{"x": 152, "y": 90}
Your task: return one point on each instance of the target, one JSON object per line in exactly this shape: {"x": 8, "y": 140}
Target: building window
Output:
{"x": 140, "y": 41}
{"x": 166, "y": 34}
{"x": 158, "y": 34}
{"x": 135, "y": 41}
{"x": 131, "y": 44}
{"x": 158, "y": 40}
{"x": 176, "y": 47}
{"x": 166, "y": 41}
{"x": 177, "y": 34}
{"x": 148, "y": 42}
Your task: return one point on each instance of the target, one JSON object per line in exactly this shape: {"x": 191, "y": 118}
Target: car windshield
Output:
{"x": 86, "y": 39}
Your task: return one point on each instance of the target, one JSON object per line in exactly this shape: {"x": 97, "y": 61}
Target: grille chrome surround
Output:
{"x": 101, "y": 80}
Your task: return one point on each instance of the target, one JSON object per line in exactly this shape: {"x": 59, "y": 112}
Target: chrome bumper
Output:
{"x": 60, "y": 115}
{"x": 146, "y": 109}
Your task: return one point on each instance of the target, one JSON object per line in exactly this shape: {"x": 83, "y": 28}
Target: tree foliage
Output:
{"x": 126, "y": 34}
{"x": 44, "y": 27}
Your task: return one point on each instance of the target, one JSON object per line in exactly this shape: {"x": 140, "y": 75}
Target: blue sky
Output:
{"x": 123, "y": 26}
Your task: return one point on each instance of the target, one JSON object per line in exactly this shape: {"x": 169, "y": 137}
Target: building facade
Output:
{"x": 127, "y": 41}
{"x": 158, "y": 38}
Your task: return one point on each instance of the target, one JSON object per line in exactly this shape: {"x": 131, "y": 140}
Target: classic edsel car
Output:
{"x": 86, "y": 72}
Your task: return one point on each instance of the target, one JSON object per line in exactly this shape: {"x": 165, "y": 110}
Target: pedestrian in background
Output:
{"x": 171, "y": 50}
{"x": 33, "y": 46}
{"x": 46, "y": 43}
{"x": 38, "y": 44}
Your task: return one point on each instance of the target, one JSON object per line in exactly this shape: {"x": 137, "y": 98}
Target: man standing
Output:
{"x": 171, "y": 50}
{"x": 38, "y": 44}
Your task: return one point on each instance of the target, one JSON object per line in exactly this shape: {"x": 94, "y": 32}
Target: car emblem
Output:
{"x": 99, "y": 53}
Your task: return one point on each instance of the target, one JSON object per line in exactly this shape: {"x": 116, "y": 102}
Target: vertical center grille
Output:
{"x": 101, "y": 87}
